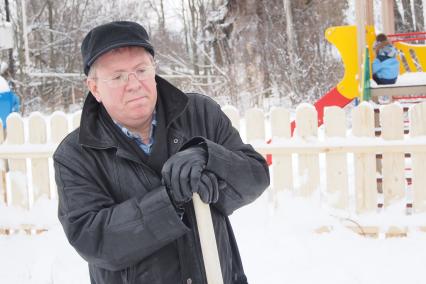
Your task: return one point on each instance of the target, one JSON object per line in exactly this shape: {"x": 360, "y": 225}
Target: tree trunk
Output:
{"x": 418, "y": 13}
{"x": 408, "y": 15}
{"x": 162, "y": 20}
{"x": 399, "y": 23}
{"x": 292, "y": 44}
{"x": 194, "y": 32}
{"x": 51, "y": 39}
{"x": 292, "y": 48}
{"x": 11, "y": 69}
{"x": 203, "y": 22}
{"x": 185, "y": 26}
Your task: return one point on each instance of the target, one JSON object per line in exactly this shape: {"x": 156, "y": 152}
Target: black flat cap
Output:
{"x": 112, "y": 35}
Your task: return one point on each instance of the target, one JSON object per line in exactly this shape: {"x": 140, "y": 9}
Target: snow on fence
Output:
{"x": 340, "y": 164}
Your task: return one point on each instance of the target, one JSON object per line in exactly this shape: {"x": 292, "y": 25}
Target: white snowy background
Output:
{"x": 276, "y": 246}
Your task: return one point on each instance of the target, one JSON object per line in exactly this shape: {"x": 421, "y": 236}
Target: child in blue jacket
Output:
{"x": 385, "y": 65}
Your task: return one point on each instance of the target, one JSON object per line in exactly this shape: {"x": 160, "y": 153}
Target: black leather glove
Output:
{"x": 209, "y": 187}
{"x": 182, "y": 173}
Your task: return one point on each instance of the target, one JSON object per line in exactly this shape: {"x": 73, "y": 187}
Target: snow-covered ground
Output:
{"x": 282, "y": 248}
{"x": 277, "y": 246}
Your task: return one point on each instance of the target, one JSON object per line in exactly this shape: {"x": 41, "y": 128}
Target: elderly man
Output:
{"x": 126, "y": 176}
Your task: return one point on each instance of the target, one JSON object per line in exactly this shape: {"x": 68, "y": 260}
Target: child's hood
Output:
{"x": 387, "y": 51}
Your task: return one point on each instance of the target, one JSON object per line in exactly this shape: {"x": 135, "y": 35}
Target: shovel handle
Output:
{"x": 207, "y": 240}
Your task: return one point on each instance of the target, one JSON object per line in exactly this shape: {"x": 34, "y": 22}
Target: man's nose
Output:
{"x": 134, "y": 75}
{"x": 132, "y": 80}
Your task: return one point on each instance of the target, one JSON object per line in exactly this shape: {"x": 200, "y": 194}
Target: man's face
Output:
{"x": 129, "y": 103}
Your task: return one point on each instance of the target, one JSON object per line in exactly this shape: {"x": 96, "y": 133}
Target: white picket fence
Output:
{"x": 340, "y": 163}
{"x": 348, "y": 171}
{"x": 26, "y": 152}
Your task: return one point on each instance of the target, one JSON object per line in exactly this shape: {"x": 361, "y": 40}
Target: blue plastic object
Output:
{"x": 9, "y": 101}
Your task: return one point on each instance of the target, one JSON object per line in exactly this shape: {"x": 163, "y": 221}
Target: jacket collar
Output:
{"x": 95, "y": 133}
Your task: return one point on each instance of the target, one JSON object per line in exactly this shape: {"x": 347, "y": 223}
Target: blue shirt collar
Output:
{"x": 145, "y": 147}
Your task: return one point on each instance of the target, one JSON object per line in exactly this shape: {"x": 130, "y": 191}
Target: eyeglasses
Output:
{"x": 121, "y": 79}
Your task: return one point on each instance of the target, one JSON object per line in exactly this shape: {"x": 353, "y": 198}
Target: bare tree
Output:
{"x": 399, "y": 21}
{"x": 289, "y": 58}
{"x": 159, "y": 12}
{"x": 194, "y": 25}
{"x": 185, "y": 26}
{"x": 405, "y": 19}
{"x": 245, "y": 52}
{"x": 408, "y": 16}
{"x": 53, "y": 80}
{"x": 418, "y": 14}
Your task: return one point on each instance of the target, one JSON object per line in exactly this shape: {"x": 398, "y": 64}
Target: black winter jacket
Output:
{"x": 118, "y": 216}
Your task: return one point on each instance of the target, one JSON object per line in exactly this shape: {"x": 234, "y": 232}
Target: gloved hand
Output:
{"x": 209, "y": 187}
{"x": 182, "y": 173}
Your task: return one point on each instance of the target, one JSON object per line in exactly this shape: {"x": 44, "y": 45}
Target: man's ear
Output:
{"x": 93, "y": 88}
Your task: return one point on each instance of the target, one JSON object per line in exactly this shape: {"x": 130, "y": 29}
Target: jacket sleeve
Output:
{"x": 112, "y": 235}
{"x": 376, "y": 66}
{"x": 244, "y": 171}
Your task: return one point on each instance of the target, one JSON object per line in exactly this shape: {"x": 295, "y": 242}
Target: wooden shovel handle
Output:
{"x": 208, "y": 241}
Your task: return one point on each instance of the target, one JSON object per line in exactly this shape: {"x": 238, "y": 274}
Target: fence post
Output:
{"x": 255, "y": 125}
{"x": 17, "y": 189}
{"x": 417, "y": 116}
{"x": 76, "y": 117}
{"x": 393, "y": 166}
{"x": 39, "y": 166}
{"x": 255, "y": 130}
{"x": 233, "y": 115}
{"x": 336, "y": 164}
{"x": 58, "y": 130}
{"x": 307, "y": 129}
{"x": 282, "y": 166}
{"x": 58, "y": 127}
{"x": 365, "y": 164}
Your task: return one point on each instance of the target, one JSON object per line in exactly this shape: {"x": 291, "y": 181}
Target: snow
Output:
{"x": 42, "y": 215}
{"x": 45, "y": 258}
{"x": 288, "y": 250}
{"x": 278, "y": 245}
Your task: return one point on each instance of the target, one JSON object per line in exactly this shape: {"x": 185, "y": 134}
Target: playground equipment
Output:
{"x": 412, "y": 79}
{"x": 355, "y": 47}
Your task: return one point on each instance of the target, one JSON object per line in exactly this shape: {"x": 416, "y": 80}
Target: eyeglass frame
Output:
{"x": 122, "y": 81}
